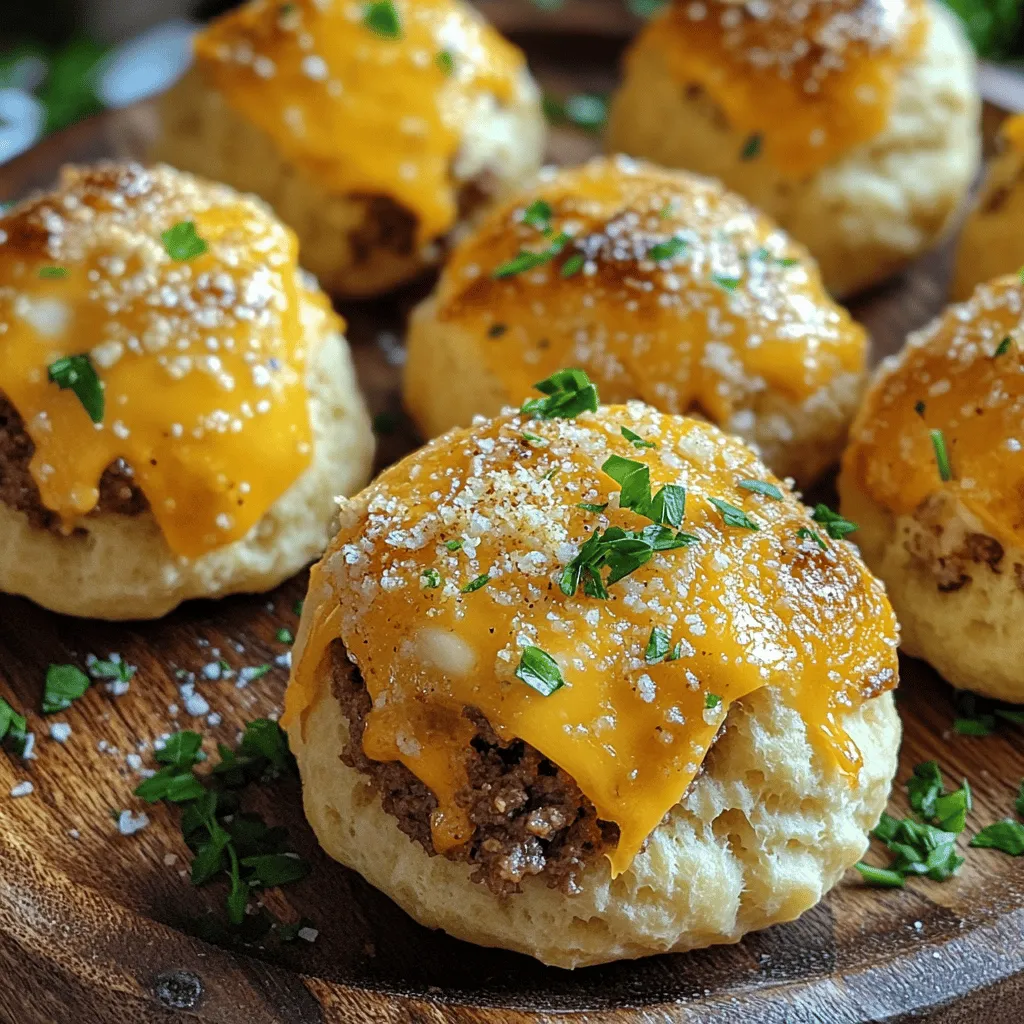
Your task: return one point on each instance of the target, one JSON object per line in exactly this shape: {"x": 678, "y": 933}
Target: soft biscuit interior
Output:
{"x": 591, "y": 593}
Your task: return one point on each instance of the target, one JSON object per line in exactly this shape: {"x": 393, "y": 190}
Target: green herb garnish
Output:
{"x": 666, "y": 508}
{"x": 444, "y": 60}
{"x": 453, "y": 545}
{"x": 182, "y": 241}
{"x": 431, "y": 579}
{"x": 806, "y": 534}
{"x": 589, "y": 507}
{"x": 573, "y": 265}
{"x": 941, "y": 455}
{"x": 1003, "y": 347}
{"x": 13, "y": 727}
{"x": 64, "y": 685}
{"x": 527, "y": 260}
{"x": 657, "y": 646}
{"x": 77, "y": 374}
{"x": 1005, "y": 836}
{"x": 636, "y": 440}
{"x": 762, "y": 487}
{"x": 53, "y": 273}
{"x": 538, "y": 215}
{"x": 664, "y": 251}
{"x": 474, "y": 585}
{"x": 733, "y": 516}
{"x": 752, "y": 147}
{"x": 540, "y": 671}
{"x": 534, "y": 440}
{"x": 730, "y": 284}
{"x": 835, "y": 525}
{"x": 285, "y": 636}
{"x": 382, "y": 19}
{"x": 568, "y": 393}
{"x": 712, "y": 701}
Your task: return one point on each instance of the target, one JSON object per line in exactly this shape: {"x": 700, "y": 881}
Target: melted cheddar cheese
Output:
{"x": 808, "y": 79}
{"x": 201, "y": 362}
{"x": 361, "y": 111}
{"x": 963, "y": 376}
{"x": 667, "y": 288}
{"x": 743, "y": 608}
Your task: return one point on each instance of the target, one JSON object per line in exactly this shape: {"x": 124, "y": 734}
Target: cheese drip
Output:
{"x": 681, "y": 294}
{"x": 744, "y": 609}
{"x": 361, "y": 112}
{"x": 810, "y": 79}
{"x": 202, "y": 362}
{"x": 950, "y": 378}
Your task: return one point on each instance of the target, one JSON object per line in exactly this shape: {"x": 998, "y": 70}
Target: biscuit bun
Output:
{"x": 991, "y": 242}
{"x": 934, "y": 475}
{"x": 228, "y": 419}
{"x": 373, "y": 147}
{"x": 862, "y": 151}
{"x": 664, "y": 287}
{"x": 533, "y": 753}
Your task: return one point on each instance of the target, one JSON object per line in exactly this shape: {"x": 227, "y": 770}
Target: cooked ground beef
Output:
{"x": 18, "y": 490}
{"x": 530, "y": 816}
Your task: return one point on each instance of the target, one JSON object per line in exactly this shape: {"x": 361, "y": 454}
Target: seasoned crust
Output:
{"x": 19, "y": 491}
{"x": 530, "y": 816}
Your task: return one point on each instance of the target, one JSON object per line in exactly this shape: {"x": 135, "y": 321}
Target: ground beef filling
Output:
{"x": 530, "y": 816}
{"x": 18, "y": 490}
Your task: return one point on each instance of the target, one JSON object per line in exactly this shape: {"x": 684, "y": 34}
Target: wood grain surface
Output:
{"x": 96, "y": 927}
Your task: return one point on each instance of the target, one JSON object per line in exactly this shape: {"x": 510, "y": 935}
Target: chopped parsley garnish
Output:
{"x": 226, "y": 842}
{"x": 806, "y": 534}
{"x": 730, "y": 284}
{"x": 540, "y": 671}
{"x": 77, "y": 374}
{"x": 669, "y": 250}
{"x": 835, "y": 525}
{"x": 636, "y": 440}
{"x": 924, "y": 844}
{"x": 733, "y": 516}
{"x": 182, "y": 242}
{"x": 285, "y": 636}
{"x": 298, "y": 606}
{"x": 920, "y": 408}
{"x": 568, "y": 393}
{"x": 53, "y": 273}
{"x": 534, "y": 440}
{"x": 657, "y": 646}
{"x": 1006, "y": 836}
{"x": 474, "y": 585}
{"x": 444, "y": 60}
{"x": 752, "y": 147}
{"x": 527, "y": 260}
{"x": 64, "y": 685}
{"x": 676, "y": 653}
{"x": 453, "y": 545}
{"x": 382, "y": 19}
{"x": 666, "y": 508}
{"x": 979, "y": 717}
{"x": 116, "y": 669}
{"x": 762, "y": 487}
{"x": 538, "y": 215}
{"x": 589, "y": 507}
{"x": 431, "y": 579}
{"x": 13, "y": 727}
{"x": 573, "y": 265}
{"x": 941, "y": 455}
{"x": 1003, "y": 347}
{"x": 712, "y": 701}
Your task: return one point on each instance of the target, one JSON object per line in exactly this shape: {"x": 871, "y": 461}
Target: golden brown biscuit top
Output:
{"x": 661, "y": 285}
{"x": 805, "y": 80}
{"x": 602, "y": 588}
{"x": 151, "y": 317}
{"x": 369, "y": 98}
{"x": 947, "y": 415}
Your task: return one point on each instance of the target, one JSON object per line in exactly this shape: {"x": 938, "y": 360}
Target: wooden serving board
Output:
{"x": 95, "y": 925}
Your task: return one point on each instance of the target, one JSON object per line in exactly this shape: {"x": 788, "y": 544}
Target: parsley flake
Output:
{"x": 453, "y": 545}
{"x": 636, "y": 440}
{"x": 730, "y": 284}
{"x": 666, "y": 508}
{"x": 665, "y": 251}
{"x": 527, "y": 260}
{"x": 1004, "y": 836}
{"x": 941, "y": 455}
{"x": 13, "y": 727}
{"x": 533, "y": 440}
{"x": 444, "y": 60}
{"x": 538, "y": 215}
{"x": 1003, "y": 347}
{"x": 182, "y": 242}
{"x": 431, "y": 579}
{"x": 835, "y": 525}
{"x": 589, "y": 507}
{"x": 474, "y": 585}
{"x": 540, "y": 671}
{"x": 64, "y": 685}
{"x": 806, "y": 534}
{"x": 568, "y": 393}
{"x": 752, "y": 147}
{"x": 762, "y": 487}
{"x": 53, "y": 273}
{"x": 733, "y": 516}
{"x": 285, "y": 636}
{"x": 382, "y": 19}
{"x": 657, "y": 646}
{"x": 712, "y": 701}
{"x": 573, "y": 265}
{"x": 77, "y": 374}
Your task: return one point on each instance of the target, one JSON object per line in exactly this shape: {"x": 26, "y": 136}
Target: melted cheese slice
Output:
{"x": 683, "y": 295}
{"x": 951, "y": 373}
{"x": 361, "y": 112}
{"x": 747, "y": 609}
{"x": 810, "y": 78}
{"x": 202, "y": 362}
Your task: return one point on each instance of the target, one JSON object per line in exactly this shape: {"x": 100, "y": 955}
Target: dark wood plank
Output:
{"x": 95, "y": 926}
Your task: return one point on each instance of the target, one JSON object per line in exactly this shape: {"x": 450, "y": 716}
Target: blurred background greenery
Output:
{"x": 58, "y": 57}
